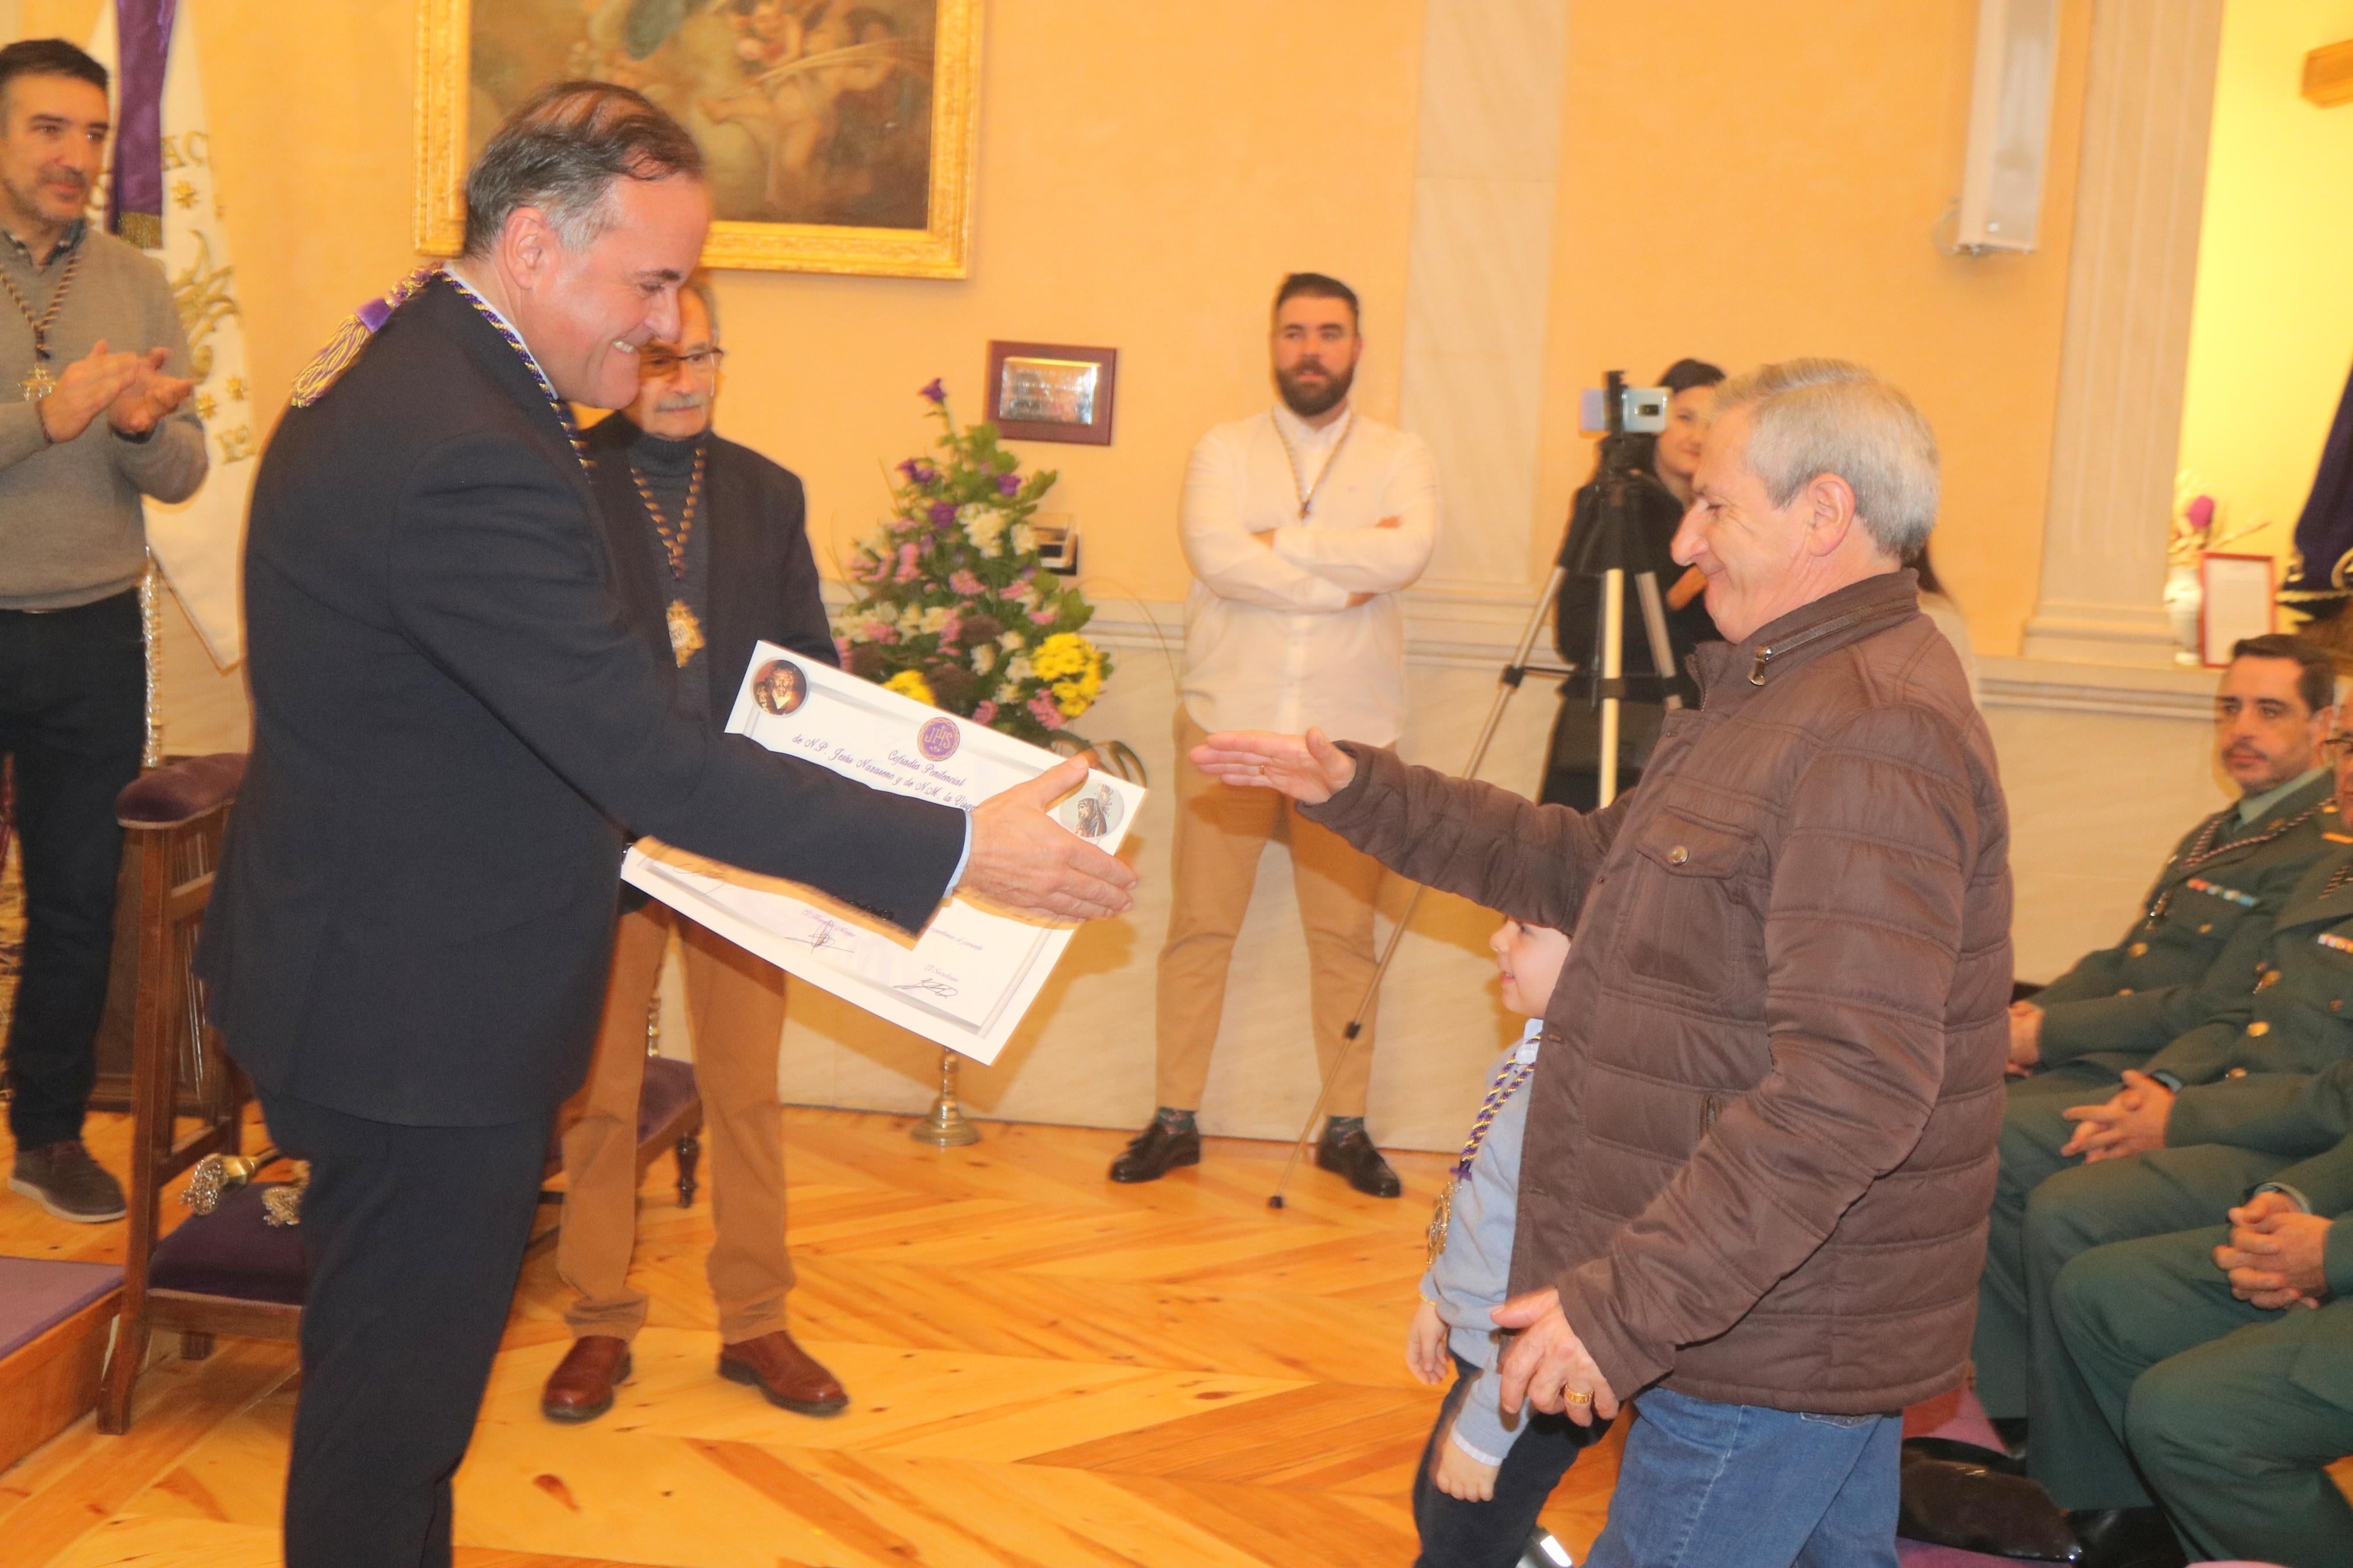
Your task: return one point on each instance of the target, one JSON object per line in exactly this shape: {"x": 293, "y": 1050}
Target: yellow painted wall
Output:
{"x": 1742, "y": 181}
{"x": 1750, "y": 182}
{"x": 2272, "y": 329}
{"x": 1147, "y": 173}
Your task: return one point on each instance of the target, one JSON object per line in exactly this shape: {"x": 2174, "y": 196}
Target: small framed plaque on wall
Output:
{"x": 2238, "y": 603}
{"x": 1051, "y": 392}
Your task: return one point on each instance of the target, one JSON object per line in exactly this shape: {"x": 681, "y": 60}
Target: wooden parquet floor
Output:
{"x": 1046, "y": 1368}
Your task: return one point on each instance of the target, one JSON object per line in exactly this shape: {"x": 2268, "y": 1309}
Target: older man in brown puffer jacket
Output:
{"x": 1761, "y": 1135}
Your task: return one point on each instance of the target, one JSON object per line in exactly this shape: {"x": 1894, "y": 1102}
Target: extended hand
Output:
{"x": 1546, "y": 1361}
{"x": 87, "y": 386}
{"x": 2131, "y": 1123}
{"x": 2025, "y": 1037}
{"x": 1023, "y": 857}
{"x": 2276, "y": 1255}
{"x": 150, "y": 397}
{"x": 1308, "y": 768}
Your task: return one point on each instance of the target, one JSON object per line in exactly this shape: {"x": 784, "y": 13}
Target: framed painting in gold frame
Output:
{"x": 840, "y": 134}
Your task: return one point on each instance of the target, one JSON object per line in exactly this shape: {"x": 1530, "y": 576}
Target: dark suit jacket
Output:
{"x": 763, "y": 579}
{"x": 455, "y": 725}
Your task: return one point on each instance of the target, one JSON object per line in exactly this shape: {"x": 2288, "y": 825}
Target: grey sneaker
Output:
{"x": 63, "y": 1179}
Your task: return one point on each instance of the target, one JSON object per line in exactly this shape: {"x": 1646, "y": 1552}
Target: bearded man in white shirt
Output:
{"x": 1300, "y": 524}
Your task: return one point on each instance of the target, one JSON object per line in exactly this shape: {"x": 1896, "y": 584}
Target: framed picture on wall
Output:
{"x": 839, "y": 134}
{"x": 1051, "y": 392}
{"x": 2238, "y": 603}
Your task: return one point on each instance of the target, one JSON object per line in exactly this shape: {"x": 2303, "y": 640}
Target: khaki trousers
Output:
{"x": 737, "y": 1004}
{"x": 1222, "y": 831}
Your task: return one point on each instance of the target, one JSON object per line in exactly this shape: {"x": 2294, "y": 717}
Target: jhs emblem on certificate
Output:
{"x": 938, "y": 740}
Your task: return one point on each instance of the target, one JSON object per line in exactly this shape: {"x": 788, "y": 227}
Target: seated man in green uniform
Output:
{"x": 2190, "y": 956}
{"x": 2214, "y": 1367}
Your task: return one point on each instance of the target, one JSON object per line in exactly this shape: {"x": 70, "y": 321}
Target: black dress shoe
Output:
{"x": 1972, "y": 1509}
{"x": 1961, "y": 1453}
{"x": 1353, "y": 1155}
{"x": 2126, "y": 1538}
{"x": 1157, "y": 1151}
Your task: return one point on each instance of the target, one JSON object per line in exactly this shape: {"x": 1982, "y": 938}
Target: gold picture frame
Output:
{"x": 448, "y": 92}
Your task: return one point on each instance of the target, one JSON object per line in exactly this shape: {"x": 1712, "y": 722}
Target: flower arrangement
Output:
{"x": 955, "y": 606}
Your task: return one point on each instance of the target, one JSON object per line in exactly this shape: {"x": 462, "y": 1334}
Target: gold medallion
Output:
{"x": 685, "y": 632}
{"x": 1438, "y": 1217}
{"x": 38, "y": 383}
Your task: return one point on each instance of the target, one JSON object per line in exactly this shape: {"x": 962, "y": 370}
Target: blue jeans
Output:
{"x": 1703, "y": 1484}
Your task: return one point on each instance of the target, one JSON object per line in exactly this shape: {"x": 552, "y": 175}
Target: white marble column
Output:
{"x": 1486, "y": 172}
{"x": 2148, "y": 113}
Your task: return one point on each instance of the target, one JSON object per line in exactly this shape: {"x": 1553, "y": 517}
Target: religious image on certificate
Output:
{"x": 968, "y": 979}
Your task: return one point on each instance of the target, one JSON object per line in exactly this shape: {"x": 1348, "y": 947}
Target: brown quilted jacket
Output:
{"x": 1761, "y": 1135}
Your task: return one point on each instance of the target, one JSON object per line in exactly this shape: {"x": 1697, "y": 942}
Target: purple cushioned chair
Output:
{"x": 670, "y": 1117}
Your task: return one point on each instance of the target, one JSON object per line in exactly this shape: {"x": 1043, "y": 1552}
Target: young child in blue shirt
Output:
{"x": 1484, "y": 1476}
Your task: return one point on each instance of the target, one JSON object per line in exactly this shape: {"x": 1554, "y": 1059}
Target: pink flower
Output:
{"x": 1047, "y": 616}
{"x": 908, "y": 570}
{"x": 841, "y": 650}
{"x": 1043, "y": 707}
{"x": 950, "y": 628}
{"x": 985, "y": 713}
{"x": 878, "y": 631}
{"x": 964, "y": 583}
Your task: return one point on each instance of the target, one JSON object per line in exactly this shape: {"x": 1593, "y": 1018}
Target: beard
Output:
{"x": 1308, "y": 400}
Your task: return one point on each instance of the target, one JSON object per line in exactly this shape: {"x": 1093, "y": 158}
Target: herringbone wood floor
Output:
{"x": 1046, "y": 1368}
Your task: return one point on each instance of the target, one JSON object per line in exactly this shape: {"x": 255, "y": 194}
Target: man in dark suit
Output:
{"x": 456, "y": 724}
{"x": 710, "y": 550}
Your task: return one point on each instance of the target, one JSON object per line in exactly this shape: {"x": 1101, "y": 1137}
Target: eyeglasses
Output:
{"x": 660, "y": 364}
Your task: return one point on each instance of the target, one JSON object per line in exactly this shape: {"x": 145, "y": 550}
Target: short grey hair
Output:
{"x": 561, "y": 152}
{"x": 697, "y": 283}
{"x": 1814, "y": 416}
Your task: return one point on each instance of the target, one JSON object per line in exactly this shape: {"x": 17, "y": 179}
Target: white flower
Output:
{"x": 971, "y": 511}
{"x": 987, "y": 531}
{"x": 1021, "y": 669}
{"x": 1020, "y": 591}
{"x": 1012, "y": 642}
{"x": 935, "y": 619}
{"x": 984, "y": 658}
{"x": 1025, "y": 539}
{"x": 911, "y": 619}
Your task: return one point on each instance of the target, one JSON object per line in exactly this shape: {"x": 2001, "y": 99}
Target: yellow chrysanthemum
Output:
{"x": 1066, "y": 654}
{"x": 910, "y": 683}
{"x": 1072, "y": 698}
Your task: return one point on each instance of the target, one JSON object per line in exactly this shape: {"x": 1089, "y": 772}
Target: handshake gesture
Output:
{"x": 131, "y": 390}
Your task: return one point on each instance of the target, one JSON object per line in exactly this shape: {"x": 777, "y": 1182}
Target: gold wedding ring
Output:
{"x": 1575, "y": 1397}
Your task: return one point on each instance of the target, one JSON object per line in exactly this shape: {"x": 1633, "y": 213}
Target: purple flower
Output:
{"x": 1008, "y": 484}
{"x": 943, "y": 513}
{"x": 913, "y": 471}
{"x": 925, "y": 474}
{"x": 935, "y": 392}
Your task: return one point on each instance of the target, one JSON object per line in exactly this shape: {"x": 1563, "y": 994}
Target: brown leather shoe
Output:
{"x": 581, "y": 1386}
{"x": 784, "y": 1373}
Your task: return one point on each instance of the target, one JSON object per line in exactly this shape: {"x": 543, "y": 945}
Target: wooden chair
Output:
{"x": 670, "y": 1120}
{"x": 227, "y": 1271}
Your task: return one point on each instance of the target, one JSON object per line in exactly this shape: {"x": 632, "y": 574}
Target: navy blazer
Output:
{"x": 456, "y": 723}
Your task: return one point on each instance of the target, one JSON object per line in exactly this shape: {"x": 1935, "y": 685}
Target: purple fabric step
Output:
{"x": 36, "y": 1294}
{"x": 233, "y": 1251}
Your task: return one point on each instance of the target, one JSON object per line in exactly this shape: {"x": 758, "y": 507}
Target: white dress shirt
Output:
{"x": 1269, "y": 640}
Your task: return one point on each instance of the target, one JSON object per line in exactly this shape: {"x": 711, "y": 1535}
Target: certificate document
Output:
{"x": 968, "y": 979}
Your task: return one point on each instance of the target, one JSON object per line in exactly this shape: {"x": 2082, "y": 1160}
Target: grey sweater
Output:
{"x": 71, "y": 529}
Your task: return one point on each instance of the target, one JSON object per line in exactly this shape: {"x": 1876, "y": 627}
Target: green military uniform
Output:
{"x": 2228, "y": 1412}
{"x": 2192, "y": 955}
{"x": 2246, "y": 1112}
